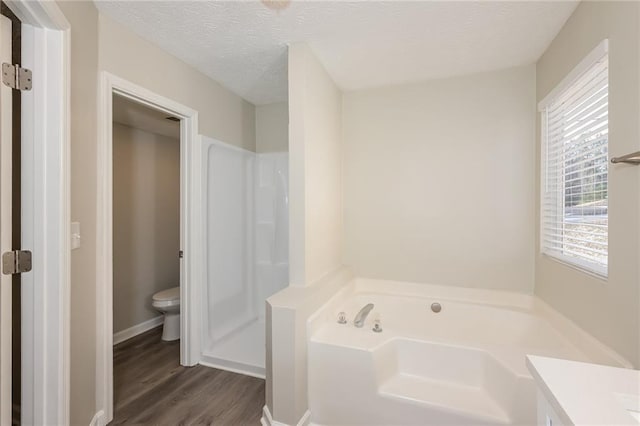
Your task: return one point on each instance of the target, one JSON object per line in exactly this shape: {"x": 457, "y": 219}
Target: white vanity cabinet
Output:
{"x": 547, "y": 416}
{"x": 578, "y": 393}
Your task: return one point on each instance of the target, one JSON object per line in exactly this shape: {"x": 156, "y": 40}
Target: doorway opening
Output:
{"x": 146, "y": 244}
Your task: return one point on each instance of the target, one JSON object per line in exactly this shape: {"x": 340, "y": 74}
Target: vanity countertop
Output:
{"x": 583, "y": 393}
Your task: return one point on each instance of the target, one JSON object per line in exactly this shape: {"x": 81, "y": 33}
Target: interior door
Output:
{"x": 5, "y": 227}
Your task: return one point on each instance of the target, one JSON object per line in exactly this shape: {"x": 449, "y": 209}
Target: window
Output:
{"x": 575, "y": 164}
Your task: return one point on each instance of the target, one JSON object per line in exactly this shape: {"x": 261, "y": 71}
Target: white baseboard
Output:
{"x": 244, "y": 370}
{"x": 98, "y": 419}
{"x": 267, "y": 420}
{"x": 130, "y": 332}
{"x": 234, "y": 367}
{"x": 306, "y": 419}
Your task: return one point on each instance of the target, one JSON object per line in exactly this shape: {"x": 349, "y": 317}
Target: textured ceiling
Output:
{"x": 242, "y": 44}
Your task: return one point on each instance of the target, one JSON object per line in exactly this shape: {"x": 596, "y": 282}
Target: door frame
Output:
{"x": 6, "y": 233}
{"x": 191, "y": 238}
{"x": 45, "y": 205}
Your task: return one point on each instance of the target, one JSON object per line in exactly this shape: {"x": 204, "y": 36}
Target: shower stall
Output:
{"x": 246, "y": 251}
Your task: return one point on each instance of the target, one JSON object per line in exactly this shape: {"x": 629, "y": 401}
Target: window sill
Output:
{"x": 568, "y": 262}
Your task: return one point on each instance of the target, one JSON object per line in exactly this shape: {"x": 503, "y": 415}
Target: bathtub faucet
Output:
{"x": 362, "y": 315}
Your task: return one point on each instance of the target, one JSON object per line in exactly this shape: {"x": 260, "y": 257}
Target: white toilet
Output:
{"x": 168, "y": 302}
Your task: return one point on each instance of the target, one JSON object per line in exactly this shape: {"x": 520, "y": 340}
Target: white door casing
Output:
{"x": 5, "y": 227}
{"x": 191, "y": 238}
{"x": 45, "y": 213}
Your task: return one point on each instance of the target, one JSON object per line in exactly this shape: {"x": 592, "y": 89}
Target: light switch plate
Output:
{"x": 75, "y": 235}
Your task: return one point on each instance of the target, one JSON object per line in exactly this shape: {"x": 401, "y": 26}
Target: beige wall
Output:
{"x": 315, "y": 230}
{"x": 146, "y": 222}
{"x": 315, "y": 159}
{"x": 272, "y": 127}
{"x": 98, "y": 43}
{"x": 608, "y": 309}
{"x": 439, "y": 181}
{"x": 83, "y": 18}
{"x": 223, "y": 115}
{"x": 288, "y": 313}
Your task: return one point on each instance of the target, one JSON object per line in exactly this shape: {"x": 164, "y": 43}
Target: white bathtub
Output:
{"x": 462, "y": 366}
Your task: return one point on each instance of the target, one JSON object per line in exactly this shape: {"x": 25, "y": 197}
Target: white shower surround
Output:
{"x": 271, "y": 195}
{"x": 464, "y": 365}
{"x": 246, "y": 251}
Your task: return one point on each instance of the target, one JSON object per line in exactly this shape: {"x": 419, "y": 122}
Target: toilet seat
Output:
{"x": 167, "y": 298}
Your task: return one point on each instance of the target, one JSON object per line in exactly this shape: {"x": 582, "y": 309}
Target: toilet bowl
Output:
{"x": 168, "y": 302}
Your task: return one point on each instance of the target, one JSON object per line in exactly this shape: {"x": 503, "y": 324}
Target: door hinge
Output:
{"x": 16, "y": 262}
{"x": 181, "y": 254}
{"x": 16, "y": 77}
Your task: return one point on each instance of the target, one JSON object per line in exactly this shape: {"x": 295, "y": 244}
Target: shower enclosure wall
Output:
{"x": 246, "y": 255}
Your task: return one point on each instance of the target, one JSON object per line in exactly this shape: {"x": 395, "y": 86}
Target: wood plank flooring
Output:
{"x": 151, "y": 387}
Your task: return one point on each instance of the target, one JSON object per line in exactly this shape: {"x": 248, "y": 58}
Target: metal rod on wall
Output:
{"x": 633, "y": 158}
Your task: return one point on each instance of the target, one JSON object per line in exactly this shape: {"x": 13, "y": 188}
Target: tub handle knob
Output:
{"x": 342, "y": 318}
{"x": 436, "y": 307}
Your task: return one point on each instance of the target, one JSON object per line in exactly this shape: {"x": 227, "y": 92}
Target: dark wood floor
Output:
{"x": 150, "y": 387}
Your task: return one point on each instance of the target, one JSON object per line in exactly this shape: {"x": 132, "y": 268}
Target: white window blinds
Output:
{"x": 575, "y": 164}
